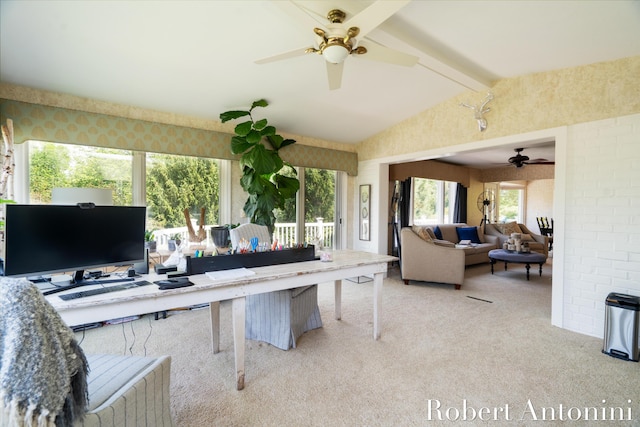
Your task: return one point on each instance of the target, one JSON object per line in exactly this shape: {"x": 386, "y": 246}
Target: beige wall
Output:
{"x": 539, "y": 202}
{"x": 520, "y": 105}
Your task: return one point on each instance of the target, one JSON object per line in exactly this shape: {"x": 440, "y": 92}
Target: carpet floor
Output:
{"x": 483, "y": 355}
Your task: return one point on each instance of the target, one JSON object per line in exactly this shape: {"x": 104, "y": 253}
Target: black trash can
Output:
{"x": 621, "y": 326}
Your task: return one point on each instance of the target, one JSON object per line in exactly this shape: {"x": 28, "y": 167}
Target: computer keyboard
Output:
{"x": 97, "y": 291}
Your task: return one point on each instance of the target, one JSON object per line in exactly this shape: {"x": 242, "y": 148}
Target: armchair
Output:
{"x": 281, "y": 317}
{"x": 45, "y": 378}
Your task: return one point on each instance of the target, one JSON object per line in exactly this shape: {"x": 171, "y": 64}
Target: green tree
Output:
{"x": 509, "y": 204}
{"x": 105, "y": 172}
{"x": 177, "y": 182}
{"x": 47, "y": 164}
{"x": 425, "y": 193}
{"x": 319, "y": 198}
{"x": 320, "y": 189}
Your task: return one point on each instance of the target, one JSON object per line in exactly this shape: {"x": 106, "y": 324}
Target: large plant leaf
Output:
{"x": 231, "y": 115}
{"x": 244, "y": 128}
{"x": 239, "y": 145}
{"x": 275, "y": 140}
{"x": 287, "y": 142}
{"x": 259, "y": 103}
{"x": 268, "y": 131}
{"x": 261, "y": 160}
{"x": 253, "y": 136}
{"x": 253, "y": 183}
{"x": 287, "y": 186}
{"x": 260, "y": 124}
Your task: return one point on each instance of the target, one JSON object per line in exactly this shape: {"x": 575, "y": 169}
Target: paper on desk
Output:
{"x": 229, "y": 274}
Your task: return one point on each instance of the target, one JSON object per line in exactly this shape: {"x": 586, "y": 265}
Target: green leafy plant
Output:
{"x": 3, "y": 201}
{"x": 148, "y": 236}
{"x": 267, "y": 179}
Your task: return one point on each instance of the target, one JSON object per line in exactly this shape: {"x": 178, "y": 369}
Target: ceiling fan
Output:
{"x": 520, "y": 160}
{"x": 337, "y": 39}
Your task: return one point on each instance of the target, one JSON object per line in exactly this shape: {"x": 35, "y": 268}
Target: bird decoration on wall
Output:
{"x": 479, "y": 111}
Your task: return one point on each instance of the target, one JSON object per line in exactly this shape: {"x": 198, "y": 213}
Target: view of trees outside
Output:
{"x": 320, "y": 190}
{"x": 509, "y": 205}
{"x": 173, "y": 183}
{"x": 319, "y": 202}
{"x": 178, "y": 182}
{"x": 54, "y": 165}
{"x": 430, "y": 201}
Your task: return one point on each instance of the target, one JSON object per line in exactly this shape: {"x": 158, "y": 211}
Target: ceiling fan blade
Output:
{"x": 303, "y": 16}
{"x": 376, "y": 52}
{"x": 334, "y": 74}
{"x": 285, "y": 55}
{"x": 374, "y": 15}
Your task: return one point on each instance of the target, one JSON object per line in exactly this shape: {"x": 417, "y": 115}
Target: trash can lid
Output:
{"x": 629, "y": 302}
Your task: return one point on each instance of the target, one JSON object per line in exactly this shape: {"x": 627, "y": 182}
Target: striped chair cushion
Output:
{"x": 128, "y": 391}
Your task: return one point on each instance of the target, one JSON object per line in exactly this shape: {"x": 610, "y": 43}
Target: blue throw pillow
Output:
{"x": 468, "y": 233}
{"x": 438, "y": 233}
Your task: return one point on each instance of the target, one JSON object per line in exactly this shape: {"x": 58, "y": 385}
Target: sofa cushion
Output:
{"x": 508, "y": 228}
{"x": 445, "y": 243}
{"x": 468, "y": 233}
{"x": 424, "y": 233}
{"x": 437, "y": 233}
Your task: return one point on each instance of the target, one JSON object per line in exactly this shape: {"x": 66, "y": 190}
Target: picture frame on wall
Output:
{"x": 365, "y": 212}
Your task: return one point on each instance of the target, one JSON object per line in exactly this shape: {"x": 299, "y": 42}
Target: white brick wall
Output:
{"x": 602, "y": 219}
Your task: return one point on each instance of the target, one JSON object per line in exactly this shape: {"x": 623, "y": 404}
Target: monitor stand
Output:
{"x": 79, "y": 280}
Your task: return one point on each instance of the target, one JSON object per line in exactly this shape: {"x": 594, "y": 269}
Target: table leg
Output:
{"x": 377, "y": 293}
{"x": 541, "y": 269}
{"x": 528, "y": 267}
{"x": 505, "y": 266}
{"x": 338, "y": 297}
{"x": 238, "y": 310}
{"x": 214, "y": 311}
{"x": 493, "y": 261}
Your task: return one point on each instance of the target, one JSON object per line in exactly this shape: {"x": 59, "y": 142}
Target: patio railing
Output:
{"x": 284, "y": 232}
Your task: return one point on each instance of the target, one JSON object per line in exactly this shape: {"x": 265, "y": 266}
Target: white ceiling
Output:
{"x": 196, "y": 58}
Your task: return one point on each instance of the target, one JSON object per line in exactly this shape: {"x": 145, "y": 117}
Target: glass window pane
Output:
{"x": 54, "y": 165}
{"x": 425, "y": 201}
{"x": 175, "y": 183}
{"x": 319, "y": 205}
{"x": 509, "y": 205}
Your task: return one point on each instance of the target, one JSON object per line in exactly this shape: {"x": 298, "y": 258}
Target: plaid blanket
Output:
{"x": 43, "y": 371}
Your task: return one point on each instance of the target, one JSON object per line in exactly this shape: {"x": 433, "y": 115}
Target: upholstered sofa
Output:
{"x": 503, "y": 231}
{"x": 433, "y": 253}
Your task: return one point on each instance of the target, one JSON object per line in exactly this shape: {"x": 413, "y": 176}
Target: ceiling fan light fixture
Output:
{"x": 335, "y": 52}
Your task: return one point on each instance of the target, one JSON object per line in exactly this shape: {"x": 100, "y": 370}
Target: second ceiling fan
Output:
{"x": 337, "y": 38}
{"x": 520, "y": 160}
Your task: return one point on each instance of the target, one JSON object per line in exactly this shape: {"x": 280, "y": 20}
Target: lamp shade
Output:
{"x": 335, "y": 53}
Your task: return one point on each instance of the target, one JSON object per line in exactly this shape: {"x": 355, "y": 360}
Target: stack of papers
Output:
{"x": 229, "y": 274}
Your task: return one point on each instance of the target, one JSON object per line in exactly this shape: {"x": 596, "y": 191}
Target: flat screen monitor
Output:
{"x": 43, "y": 239}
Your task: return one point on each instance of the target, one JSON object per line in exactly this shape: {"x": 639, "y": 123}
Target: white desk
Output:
{"x": 149, "y": 299}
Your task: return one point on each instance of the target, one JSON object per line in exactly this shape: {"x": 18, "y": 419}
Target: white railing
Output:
{"x": 284, "y": 232}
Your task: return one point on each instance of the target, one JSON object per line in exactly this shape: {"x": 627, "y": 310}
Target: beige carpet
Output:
{"x": 437, "y": 345}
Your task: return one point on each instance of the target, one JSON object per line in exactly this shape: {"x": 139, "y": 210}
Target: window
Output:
{"x": 511, "y": 203}
{"x": 433, "y": 201}
{"x": 54, "y": 165}
{"x": 317, "y": 200}
{"x": 173, "y": 183}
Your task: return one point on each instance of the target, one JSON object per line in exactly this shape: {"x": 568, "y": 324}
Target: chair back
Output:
{"x": 546, "y": 227}
{"x": 248, "y": 231}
